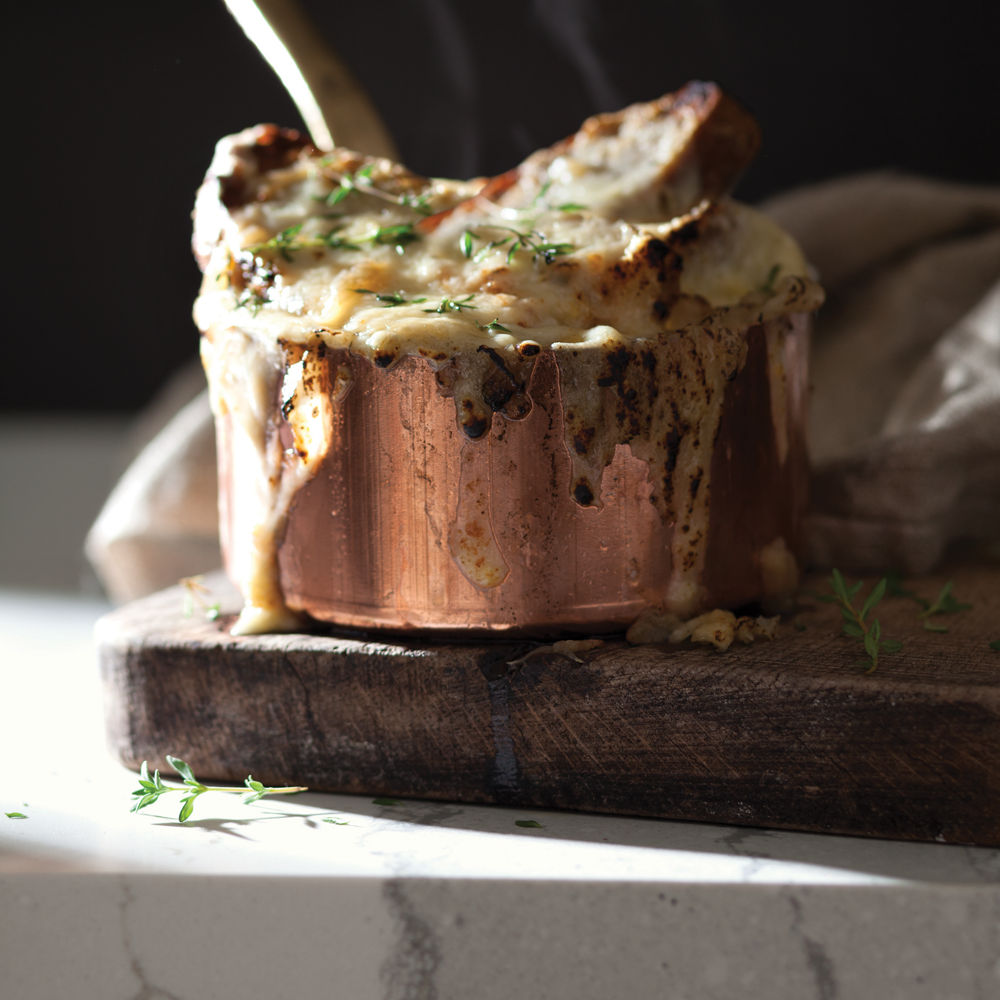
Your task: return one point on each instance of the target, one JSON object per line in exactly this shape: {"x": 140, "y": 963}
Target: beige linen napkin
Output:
{"x": 905, "y": 405}
{"x": 905, "y": 419}
{"x": 161, "y": 521}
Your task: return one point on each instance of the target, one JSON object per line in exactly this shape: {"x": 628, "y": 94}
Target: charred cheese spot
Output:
{"x": 583, "y": 493}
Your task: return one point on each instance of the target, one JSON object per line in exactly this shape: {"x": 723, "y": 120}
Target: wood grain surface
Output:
{"x": 788, "y": 734}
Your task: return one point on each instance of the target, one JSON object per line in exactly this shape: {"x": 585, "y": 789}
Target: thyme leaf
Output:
{"x": 492, "y": 326}
{"x": 251, "y": 300}
{"x": 396, "y": 236}
{"x": 768, "y": 287}
{"x": 539, "y": 197}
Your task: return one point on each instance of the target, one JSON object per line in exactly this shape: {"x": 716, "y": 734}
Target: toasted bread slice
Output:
{"x": 647, "y": 162}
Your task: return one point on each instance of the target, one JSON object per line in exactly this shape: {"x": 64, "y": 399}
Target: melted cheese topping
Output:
{"x": 478, "y": 289}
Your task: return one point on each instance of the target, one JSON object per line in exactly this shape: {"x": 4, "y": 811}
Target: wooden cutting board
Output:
{"x": 789, "y": 734}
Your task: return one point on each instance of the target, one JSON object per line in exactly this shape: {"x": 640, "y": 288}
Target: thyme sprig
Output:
{"x": 348, "y": 183}
{"x": 196, "y": 594}
{"x": 391, "y": 299}
{"x": 360, "y": 182}
{"x": 516, "y": 240}
{"x": 152, "y": 788}
{"x": 856, "y": 623}
{"x": 288, "y": 240}
{"x": 540, "y": 201}
{"x": 944, "y": 604}
{"x": 418, "y": 202}
{"x": 284, "y": 242}
{"x": 447, "y": 305}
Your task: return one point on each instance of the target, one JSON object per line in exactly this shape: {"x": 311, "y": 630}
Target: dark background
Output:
{"x": 114, "y": 110}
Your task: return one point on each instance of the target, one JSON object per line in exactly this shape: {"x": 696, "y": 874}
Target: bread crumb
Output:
{"x": 718, "y": 628}
{"x": 653, "y": 625}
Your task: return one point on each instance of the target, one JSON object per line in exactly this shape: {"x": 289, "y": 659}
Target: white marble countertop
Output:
{"x": 339, "y": 896}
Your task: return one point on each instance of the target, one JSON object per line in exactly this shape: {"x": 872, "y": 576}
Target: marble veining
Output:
{"x": 146, "y": 991}
{"x": 408, "y": 972}
{"x": 817, "y": 959}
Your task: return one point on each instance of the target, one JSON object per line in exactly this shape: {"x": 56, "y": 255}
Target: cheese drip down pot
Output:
{"x": 628, "y": 477}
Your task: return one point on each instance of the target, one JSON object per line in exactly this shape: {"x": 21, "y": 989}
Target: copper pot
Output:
{"x": 408, "y": 524}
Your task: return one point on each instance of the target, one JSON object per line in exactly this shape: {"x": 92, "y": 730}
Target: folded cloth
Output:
{"x": 905, "y": 411}
{"x": 905, "y": 408}
{"x": 161, "y": 522}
